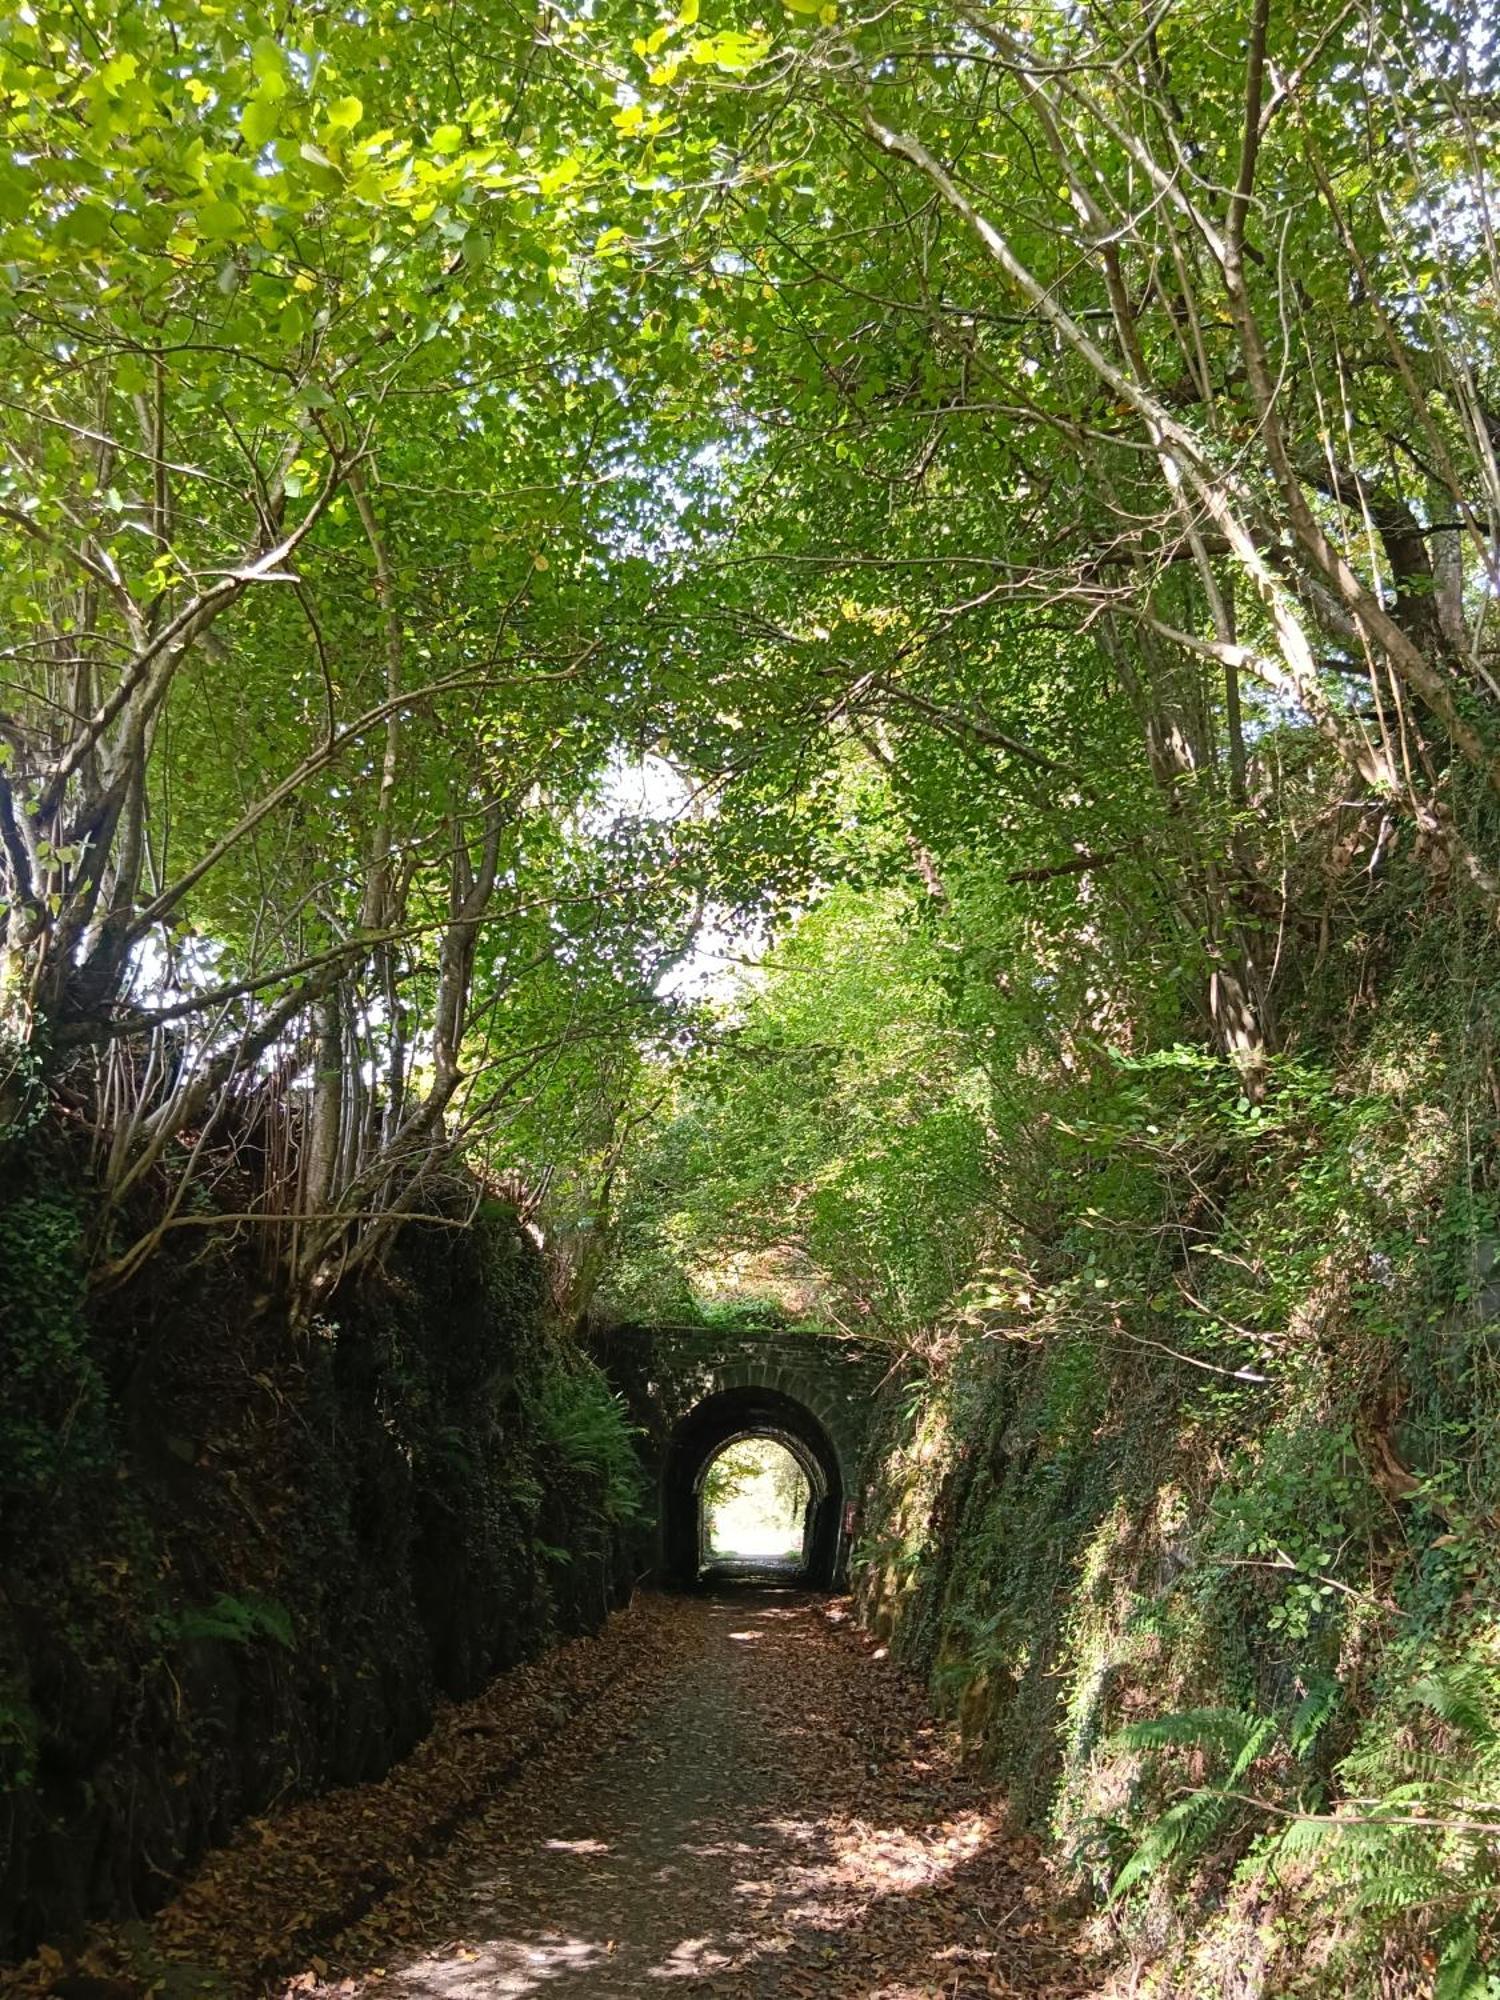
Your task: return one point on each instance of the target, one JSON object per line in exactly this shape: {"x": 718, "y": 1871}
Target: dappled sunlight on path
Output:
{"x": 775, "y": 1817}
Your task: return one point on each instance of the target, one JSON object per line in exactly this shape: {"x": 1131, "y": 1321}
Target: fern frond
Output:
{"x": 1460, "y": 1974}
{"x": 1458, "y": 1702}
{"x": 1254, "y": 1746}
{"x": 1176, "y": 1836}
{"x": 1303, "y": 1838}
{"x": 1311, "y": 1713}
{"x": 1224, "y": 1729}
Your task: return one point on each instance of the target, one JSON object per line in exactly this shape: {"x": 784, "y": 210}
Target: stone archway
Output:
{"x": 686, "y": 1384}
{"x": 750, "y": 1410}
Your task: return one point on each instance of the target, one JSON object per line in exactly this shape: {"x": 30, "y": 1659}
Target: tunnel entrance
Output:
{"x": 721, "y": 1425}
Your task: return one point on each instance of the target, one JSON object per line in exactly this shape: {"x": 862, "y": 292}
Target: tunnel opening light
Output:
{"x": 757, "y": 1508}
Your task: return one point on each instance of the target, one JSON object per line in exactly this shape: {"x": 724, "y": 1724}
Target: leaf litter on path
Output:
{"x": 727, "y": 1793}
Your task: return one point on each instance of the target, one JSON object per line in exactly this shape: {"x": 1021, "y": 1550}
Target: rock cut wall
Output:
{"x": 239, "y": 1563}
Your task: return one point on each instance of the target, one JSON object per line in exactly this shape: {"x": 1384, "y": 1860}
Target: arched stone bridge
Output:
{"x": 692, "y": 1390}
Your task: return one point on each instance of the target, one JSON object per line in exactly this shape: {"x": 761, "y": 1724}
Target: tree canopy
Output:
{"x": 1032, "y": 468}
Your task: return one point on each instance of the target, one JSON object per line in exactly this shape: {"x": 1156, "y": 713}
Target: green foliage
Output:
{"x": 835, "y": 1107}
{"x": 52, "y": 1402}
{"x": 1210, "y": 1439}
{"x": 1181, "y": 1833}
{"x": 584, "y": 1420}
{"x": 23, "y": 1095}
{"x": 240, "y": 1620}
{"x": 1237, "y": 1742}
{"x": 320, "y": 353}
{"x": 1050, "y": 612}
{"x": 1427, "y": 1848}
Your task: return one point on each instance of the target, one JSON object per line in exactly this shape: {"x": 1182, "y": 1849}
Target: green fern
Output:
{"x": 1311, "y": 1713}
{"x": 1223, "y": 1729}
{"x": 237, "y": 1619}
{"x": 1420, "y": 1848}
{"x": 584, "y": 1419}
{"x": 1460, "y": 1702}
{"x": 1461, "y": 1971}
{"x": 1426, "y": 1842}
{"x": 1182, "y": 1832}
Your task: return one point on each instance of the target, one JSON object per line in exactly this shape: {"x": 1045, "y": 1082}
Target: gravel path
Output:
{"x": 774, "y": 1815}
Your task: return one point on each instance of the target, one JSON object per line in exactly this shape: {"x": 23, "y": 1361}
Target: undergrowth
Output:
{"x": 1191, "y": 1516}
{"x": 585, "y": 1421}
{"x": 52, "y": 1396}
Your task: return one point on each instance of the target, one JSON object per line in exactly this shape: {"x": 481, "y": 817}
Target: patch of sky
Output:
{"x": 650, "y": 789}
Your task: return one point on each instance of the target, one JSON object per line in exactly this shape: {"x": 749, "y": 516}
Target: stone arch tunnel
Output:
{"x": 693, "y": 1390}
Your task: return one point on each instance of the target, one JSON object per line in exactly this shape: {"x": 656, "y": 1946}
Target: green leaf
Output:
{"x": 731, "y": 51}
{"x": 87, "y": 225}
{"x": 562, "y": 175}
{"x": 267, "y": 58}
{"x": 260, "y": 118}
{"x": 17, "y": 191}
{"x": 220, "y": 219}
{"x": 118, "y": 71}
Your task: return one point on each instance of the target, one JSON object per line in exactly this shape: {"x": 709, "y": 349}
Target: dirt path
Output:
{"x": 775, "y": 1818}
{"x": 732, "y": 1796}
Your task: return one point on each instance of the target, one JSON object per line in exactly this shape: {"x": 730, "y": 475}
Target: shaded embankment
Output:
{"x": 744, "y": 1799}
{"x": 241, "y": 1561}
